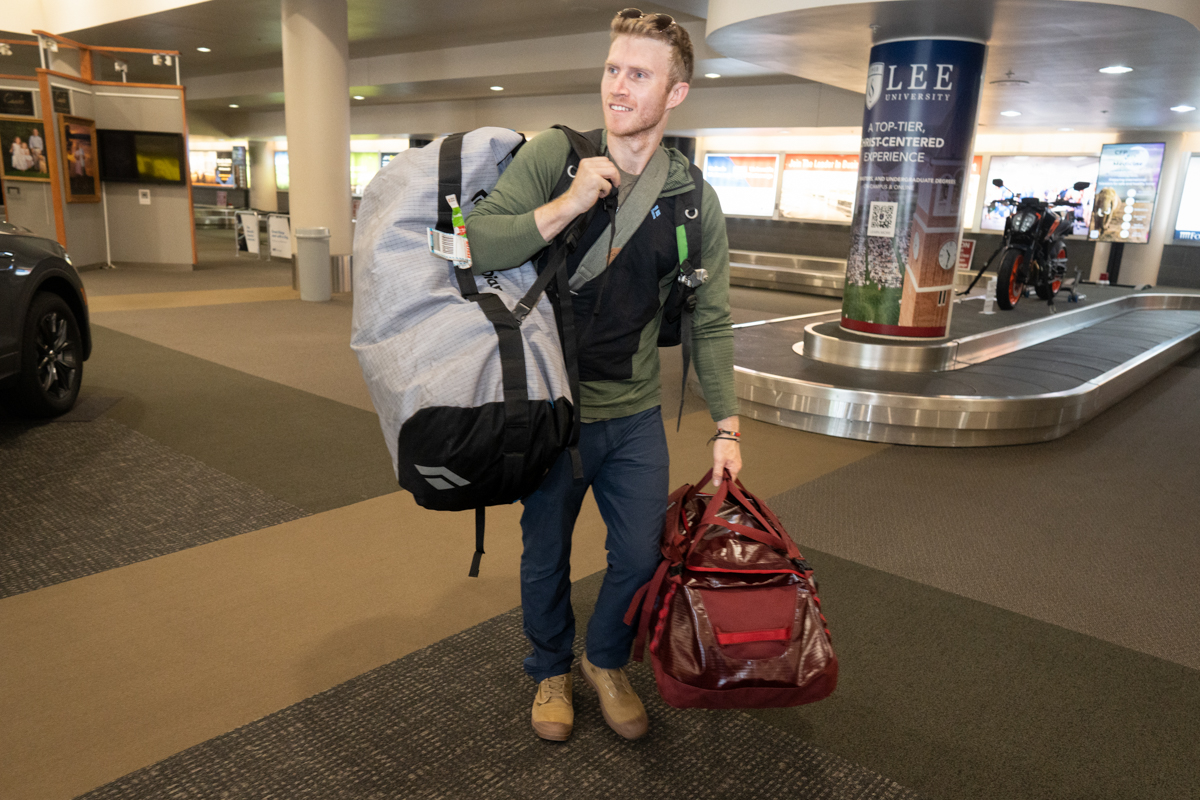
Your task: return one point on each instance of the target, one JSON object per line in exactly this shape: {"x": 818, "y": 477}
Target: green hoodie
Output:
{"x": 503, "y": 235}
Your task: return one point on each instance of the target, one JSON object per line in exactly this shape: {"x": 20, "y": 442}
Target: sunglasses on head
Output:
{"x": 659, "y": 21}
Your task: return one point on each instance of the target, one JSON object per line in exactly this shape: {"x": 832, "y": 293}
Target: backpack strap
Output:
{"x": 449, "y": 178}
{"x": 583, "y": 145}
{"x": 508, "y": 333}
{"x": 691, "y": 272}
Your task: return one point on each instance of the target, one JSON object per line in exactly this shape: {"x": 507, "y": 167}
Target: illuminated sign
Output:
{"x": 745, "y": 184}
{"x": 1043, "y": 177}
{"x": 1126, "y": 191}
{"x": 818, "y": 186}
{"x": 1187, "y": 224}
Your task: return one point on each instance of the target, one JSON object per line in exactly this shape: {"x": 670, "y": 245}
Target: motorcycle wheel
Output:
{"x": 1046, "y": 290}
{"x": 1010, "y": 282}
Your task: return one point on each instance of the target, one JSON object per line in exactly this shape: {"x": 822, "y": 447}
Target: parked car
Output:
{"x": 44, "y": 332}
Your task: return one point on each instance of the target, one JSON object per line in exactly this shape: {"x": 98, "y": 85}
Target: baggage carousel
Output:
{"x": 1012, "y": 377}
{"x": 805, "y": 274}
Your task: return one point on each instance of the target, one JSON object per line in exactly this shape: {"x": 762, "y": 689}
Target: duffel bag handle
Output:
{"x": 771, "y": 535}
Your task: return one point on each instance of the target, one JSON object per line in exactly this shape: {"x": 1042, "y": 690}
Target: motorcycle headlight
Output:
{"x": 1023, "y": 221}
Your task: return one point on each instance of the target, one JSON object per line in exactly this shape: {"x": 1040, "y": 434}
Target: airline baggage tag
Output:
{"x": 450, "y": 247}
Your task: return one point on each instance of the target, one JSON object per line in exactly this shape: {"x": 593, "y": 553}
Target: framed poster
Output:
{"x": 16, "y": 101}
{"x": 1187, "y": 221}
{"x": 79, "y": 160}
{"x": 1126, "y": 191}
{"x": 61, "y": 98}
{"x": 744, "y": 182}
{"x": 23, "y": 149}
{"x": 1043, "y": 177}
{"x": 819, "y": 186}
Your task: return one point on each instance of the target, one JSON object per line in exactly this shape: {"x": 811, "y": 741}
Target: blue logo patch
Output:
{"x": 654, "y": 213}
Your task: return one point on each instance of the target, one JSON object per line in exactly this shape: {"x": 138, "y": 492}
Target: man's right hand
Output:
{"x": 594, "y": 178}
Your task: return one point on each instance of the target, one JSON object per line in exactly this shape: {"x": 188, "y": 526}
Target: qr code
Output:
{"x": 882, "y": 221}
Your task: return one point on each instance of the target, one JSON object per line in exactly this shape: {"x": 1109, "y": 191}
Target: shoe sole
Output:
{"x": 608, "y": 719}
{"x": 552, "y": 735}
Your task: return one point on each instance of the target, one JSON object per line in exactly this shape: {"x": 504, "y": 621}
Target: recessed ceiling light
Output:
{"x": 1116, "y": 70}
{"x": 1183, "y": 109}
{"x": 1066, "y": 129}
{"x": 204, "y": 49}
{"x": 359, "y": 97}
{"x": 1010, "y": 113}
{"x": 234, "y": 105}
{"x": 497, "y": 88}
{"x": 712, "y": 74}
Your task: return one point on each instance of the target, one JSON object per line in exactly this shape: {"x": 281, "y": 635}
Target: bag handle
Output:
{"x": 771, "y": 535}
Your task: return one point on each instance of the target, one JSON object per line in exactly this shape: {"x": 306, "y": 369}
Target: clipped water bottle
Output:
{"x": 989, "y": 299}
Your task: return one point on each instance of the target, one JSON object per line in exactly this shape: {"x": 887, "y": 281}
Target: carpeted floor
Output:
{"x": 1096, "y": 532}
{"x": 306, "y": 450}
{"x": 452, "y": 721}
{"x": 959, "y": 699}
{"x": 97, "y": 495}
{"x": 993, "y": 643}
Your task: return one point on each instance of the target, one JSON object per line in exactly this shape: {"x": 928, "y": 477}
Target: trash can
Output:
{"x": 312, "y": 264}
{"x": 343, "y": 275}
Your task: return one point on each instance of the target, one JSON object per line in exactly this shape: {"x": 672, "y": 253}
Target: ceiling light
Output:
{"x": 359, "y": 97}
{"x": 497, "y": 88}
{"x": 1116, "y": 70}
{"x": 1183, "y": 109}
{"x": 712, "y": 74}
{"x": 1066, "y": 129}
{"x": 1010, "y": 113}
{"x": 204, "y": 49}
{"x": 234, "y": 105}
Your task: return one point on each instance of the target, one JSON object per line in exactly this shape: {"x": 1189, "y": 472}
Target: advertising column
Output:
{"x": 921, "y": 104}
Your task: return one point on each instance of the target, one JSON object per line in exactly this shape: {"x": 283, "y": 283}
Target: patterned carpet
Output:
{"x": 83, "y": 498}
{"x": 444, "y": 724}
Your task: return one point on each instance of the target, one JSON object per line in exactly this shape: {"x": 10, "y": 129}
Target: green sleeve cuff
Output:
{"x": 502, "y": 242}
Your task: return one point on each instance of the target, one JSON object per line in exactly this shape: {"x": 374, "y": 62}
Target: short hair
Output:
{"x": 652, "y": 26}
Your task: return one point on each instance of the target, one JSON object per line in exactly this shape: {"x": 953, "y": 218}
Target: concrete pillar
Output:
{"x": 262, "y": 176}
{"x": 316, "y": 89}
{"x": 1140, "y": 262}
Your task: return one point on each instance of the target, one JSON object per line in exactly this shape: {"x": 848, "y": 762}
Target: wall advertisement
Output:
{"x": 818, "y": 186}
{"x": 1187, "y": 222}
{"x": 745, "y": 184}
{"x": 1043, "y": 177}
{"x": 1125, "y": 192}
{"x": 915, "y": 163}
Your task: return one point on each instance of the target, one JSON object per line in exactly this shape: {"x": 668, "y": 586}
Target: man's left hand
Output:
{"x": 727, "y": 455}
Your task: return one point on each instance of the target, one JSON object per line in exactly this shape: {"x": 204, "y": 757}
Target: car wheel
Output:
{"x": 51, "y": 358}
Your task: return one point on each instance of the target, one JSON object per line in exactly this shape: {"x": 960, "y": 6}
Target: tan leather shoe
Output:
{"x": 622, "y": 709}
{"x": 553, "y": 716}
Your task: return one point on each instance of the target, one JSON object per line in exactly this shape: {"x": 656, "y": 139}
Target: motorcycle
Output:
{"x": 1033, "y": 251}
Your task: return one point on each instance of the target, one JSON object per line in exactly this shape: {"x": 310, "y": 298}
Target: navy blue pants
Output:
{"x": 625, "y": 463}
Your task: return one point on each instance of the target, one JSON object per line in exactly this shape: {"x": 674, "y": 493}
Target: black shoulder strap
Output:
{"x": 688, "y": 239}
{"x": 449, "y": 178}
{"x": 507, "y": 325}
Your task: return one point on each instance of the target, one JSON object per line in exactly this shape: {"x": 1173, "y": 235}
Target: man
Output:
{"x": 36, "y": 146}
{"x": 622, "y": 444}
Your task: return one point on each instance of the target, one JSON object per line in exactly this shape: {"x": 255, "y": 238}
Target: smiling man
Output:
{"x": 618, "y": 308}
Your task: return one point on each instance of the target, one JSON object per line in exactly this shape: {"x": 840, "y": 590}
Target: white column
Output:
{"x": 317, "y": 112}
{"x": 262, "y": 176}
{"x": 1140, "y": 262}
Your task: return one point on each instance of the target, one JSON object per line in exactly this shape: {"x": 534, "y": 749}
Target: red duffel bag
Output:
{"x": 732, "y": 613}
